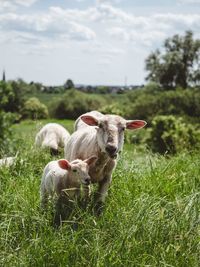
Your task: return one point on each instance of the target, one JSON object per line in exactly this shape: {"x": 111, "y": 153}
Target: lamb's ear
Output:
{"x": 89, "y": 120}
{"x": 135, "y": 124}
{"x": 91, "y": 160}
{"x": 64, "y": 164}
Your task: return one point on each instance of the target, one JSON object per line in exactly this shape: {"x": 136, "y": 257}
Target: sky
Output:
{"x": 97, "y": 42}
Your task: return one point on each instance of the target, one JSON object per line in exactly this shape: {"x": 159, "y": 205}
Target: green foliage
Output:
{"x": 12, "y": 96}
{"x": 6, "y": 119}
{"x": 69, "y": 84}
{"x": 6, "y": 145}
{"x": 34, "y": 109}
{"x": 75, "y": 103}
{"x": 151, "y": 216}
{"x": 114, "y": 108}
{"x": 6, "y": 95}
{"x": 178, "y": 65}
{"x": 171, "y": 135}
{"x": 17, "y": 101}
{"x": 147, "y": 104}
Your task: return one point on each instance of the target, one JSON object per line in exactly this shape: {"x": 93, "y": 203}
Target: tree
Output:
{"x": 6, "y": 119}
{"x": 178, "y": 65}
{"x": 12, "y": 96}
{"x": 34, "y": 109}
{"x": 69, "y": 84}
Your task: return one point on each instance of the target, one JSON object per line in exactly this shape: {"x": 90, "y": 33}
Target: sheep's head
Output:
{"x": 78, "y": 169}
{"x": 110, "y": 131}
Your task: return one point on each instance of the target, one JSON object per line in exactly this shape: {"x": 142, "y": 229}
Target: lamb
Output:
{"x": 103, "y": 136}
{"x": 63, "y": 179}
{"x": 52, "y": 136}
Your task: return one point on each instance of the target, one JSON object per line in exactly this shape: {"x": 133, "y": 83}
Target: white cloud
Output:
{"x": 103, "y": 49}
{"x": 105, "y": 62}
{"x": 26, "y": 3}
{"x": 146, "y": 38}
{"x": 50, "y": 25}
{"x": 13, "y": 4}
{"x": 73, "y": 24}
{"x": 108, "y": 1}
{"x": 189, "y": 1}
{"x": 153, "y": 29}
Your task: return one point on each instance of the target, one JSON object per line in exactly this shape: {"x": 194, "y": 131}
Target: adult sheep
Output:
{"x": 103, "y": 136}
{"x": 53, "y": 136}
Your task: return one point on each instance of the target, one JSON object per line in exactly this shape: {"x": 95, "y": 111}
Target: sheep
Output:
{"x": 9, "y": 161}
{"x": 63, "y": 179}
{"x": 103, "y": 136}
{"x": 53, "y": 136}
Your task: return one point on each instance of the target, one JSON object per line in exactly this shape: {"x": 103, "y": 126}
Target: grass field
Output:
{"x": 151, "y": 216}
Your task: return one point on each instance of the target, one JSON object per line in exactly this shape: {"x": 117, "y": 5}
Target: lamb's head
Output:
{"x": 78, "y": 169}
{"x": 110, "y": 131}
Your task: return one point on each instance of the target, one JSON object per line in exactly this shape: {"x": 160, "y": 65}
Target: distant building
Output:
{"x": 4, "y": 76}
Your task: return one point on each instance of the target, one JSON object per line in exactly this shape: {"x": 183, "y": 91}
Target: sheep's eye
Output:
{"x": 123, "y": 129}
{"x": 74, "y": 170}
{"x": 100, "y": 125}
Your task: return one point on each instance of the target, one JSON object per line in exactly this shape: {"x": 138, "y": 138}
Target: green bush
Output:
{"x": 171, "y": 135}
{"x": 146, "y": 104}
{"x": 114, "y": 108}
{"x": 12, "y": 98}
{"x": 6, "y": 120}
{"x": 75, "y": 103}
{"x": 34, "y": 109}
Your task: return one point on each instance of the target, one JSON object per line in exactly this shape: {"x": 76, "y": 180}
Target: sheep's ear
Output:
{"x": 135, "y": 124}
{"x": 64, "y": 164}
{"x": 89, "y": 120}
{"x": 91, "y": 160}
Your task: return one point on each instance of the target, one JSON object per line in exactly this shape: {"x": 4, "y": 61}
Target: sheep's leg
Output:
{"x": 86, "y": 192}
{"x": 101, "y": 194}
{"x": 58, "y": 212}
{"x": 44, "y": 199}
{"x": 54, "y": 152}
{"x": 63, "y": 209}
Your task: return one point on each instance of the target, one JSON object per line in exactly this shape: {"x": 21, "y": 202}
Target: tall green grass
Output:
{"x": 151, "y": 216}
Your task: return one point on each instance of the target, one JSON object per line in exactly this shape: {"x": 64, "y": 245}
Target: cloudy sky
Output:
{"x": 90, "y": 41}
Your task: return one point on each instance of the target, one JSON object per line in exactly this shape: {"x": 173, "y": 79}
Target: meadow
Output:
{"x": 151, "y": 216}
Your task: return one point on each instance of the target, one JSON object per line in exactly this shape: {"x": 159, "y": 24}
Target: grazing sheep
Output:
{"x": 53, "y": 136}
{"x": 64, "y": 179}
{"x": 7, "y": 162}
{"x": 105, "y": 140}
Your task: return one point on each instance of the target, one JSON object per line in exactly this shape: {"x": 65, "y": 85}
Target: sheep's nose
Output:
{"x": 87, "y": 181}
{"x": 111, "y": 149}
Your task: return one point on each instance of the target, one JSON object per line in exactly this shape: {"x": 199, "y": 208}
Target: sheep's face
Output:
{"x": 110, "y": 131}
{"x": 79, "y": 172}
{"x": 78, "y": 169}
{"x": 110, "y": 135}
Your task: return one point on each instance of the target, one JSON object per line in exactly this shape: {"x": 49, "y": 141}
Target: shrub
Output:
{"x": 171, "y": 135}
{"x": 11, "y": 96}
{"x": 145, "y": 104}
{"x": 75, "y": 103}
{"x": 6, "y": 120}
{"x": 6, "y": 93}
{"x": 114, "y": 108}
{"x": 34, "y": 109}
